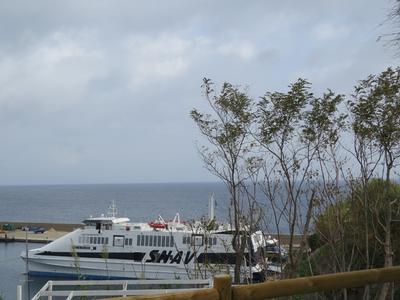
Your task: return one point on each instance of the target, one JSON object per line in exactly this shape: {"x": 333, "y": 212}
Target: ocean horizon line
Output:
{"x": 110, "y": 183}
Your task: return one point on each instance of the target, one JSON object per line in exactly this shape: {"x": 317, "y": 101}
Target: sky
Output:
{"x": 100, "y": 91}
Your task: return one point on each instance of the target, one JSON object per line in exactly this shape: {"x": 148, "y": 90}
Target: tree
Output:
{"x": 393, "y": 38}
{"x": 376, "y": 119}
{"x": 227, "y": 131}
{"x": 350, "y": 213}
{"x": 295, "y": 129}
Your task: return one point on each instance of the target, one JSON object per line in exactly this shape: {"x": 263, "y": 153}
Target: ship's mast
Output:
{"x": 211, "y": 203}
{"x": 112, "y": 209}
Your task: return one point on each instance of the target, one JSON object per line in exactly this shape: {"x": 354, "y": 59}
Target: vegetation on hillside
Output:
{"x": 326, "y": 166}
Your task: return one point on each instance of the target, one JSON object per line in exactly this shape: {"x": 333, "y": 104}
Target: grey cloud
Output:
{"x": 100, "y": 91}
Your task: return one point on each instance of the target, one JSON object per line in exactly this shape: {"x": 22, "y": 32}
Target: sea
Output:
{"x": 73, "y": 203}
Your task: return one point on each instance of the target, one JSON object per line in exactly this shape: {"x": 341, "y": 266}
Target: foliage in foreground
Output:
{"x": 330, "y": 242}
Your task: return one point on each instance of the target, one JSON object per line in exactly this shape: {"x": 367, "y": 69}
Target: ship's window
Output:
{"x": 210, "y": 240}
{"x": 91, "y": 240}
{"x": 138, "y": 240}
{"x": 126, "y": 242}
{"x": 151, "y": 241}
{"x": 214, "y": 240}
{"x": 163, "y": 241}
{"x": 118, "y": 240}
{"x": 142, "y": 240}
{"x": 98, "y": 240}
{"x": 172, "y": 241}
{"x": 106, "y": 241}
{"x": 147, "y": 241}
{"x": 167, "y": 241}
{"x": 130, "y": 242}
{"x": 197, "y": 240}
{"x": 159, "y": 241}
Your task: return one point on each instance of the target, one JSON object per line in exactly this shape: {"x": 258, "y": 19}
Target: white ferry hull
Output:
{"x": 92, "y": 268}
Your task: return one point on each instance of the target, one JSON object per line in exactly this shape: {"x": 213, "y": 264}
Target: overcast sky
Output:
{"x": 100, "y": 91}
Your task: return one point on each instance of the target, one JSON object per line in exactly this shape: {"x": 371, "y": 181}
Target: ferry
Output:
{"x": 111, "y": 247}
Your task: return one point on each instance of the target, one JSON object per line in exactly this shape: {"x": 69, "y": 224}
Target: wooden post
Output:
{"x": 223, "y": 284}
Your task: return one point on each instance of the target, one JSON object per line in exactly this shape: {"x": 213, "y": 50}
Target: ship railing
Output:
{"x": 102, "y": 288}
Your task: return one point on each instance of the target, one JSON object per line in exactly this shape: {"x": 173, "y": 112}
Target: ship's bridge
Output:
{"x": 104, "y": 222}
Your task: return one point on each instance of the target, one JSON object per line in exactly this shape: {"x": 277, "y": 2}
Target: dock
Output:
{"x": 52, "y": 232}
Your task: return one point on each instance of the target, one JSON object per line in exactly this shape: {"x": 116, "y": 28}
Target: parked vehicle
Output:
{"x": 8, "y": 227}
{"x": 34, "y": 229}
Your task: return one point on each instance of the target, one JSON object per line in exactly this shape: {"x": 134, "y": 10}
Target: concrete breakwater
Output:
{"x": 46, "y": 226}
{"x": 52, "y": 231}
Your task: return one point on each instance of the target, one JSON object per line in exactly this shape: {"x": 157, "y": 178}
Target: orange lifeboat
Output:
{"x": 157, "y": 225}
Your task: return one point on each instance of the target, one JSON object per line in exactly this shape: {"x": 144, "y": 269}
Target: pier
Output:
{"x": 52, "y": 232}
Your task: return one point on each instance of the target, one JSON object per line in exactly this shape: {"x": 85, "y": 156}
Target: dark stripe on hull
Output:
{"x": 208, "y": 258}
{"x": 135, "y": 256}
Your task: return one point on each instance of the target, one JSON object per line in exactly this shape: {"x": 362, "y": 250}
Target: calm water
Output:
{"x": 140, "y": 202}
{"x": 72, "y": 203}
{"x": 12, "y": 272}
